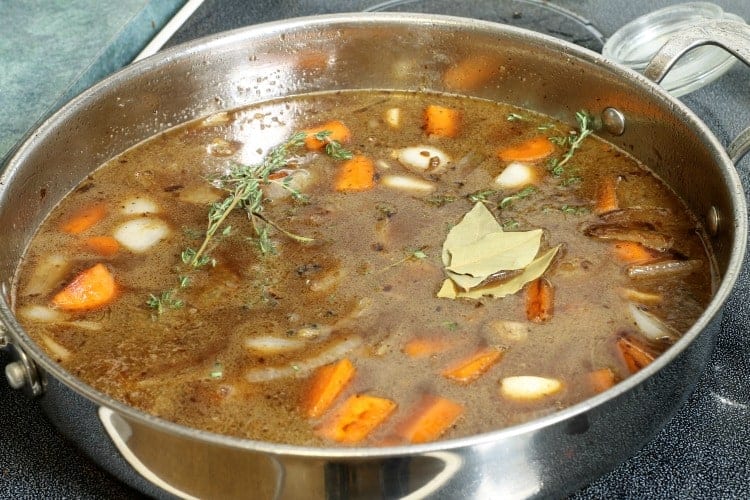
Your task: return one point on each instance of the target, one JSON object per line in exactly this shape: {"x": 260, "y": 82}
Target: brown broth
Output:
{"x": 359, "y": 278}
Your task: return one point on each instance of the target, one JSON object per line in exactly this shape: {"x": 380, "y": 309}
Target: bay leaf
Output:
{"x": 513, "y": 285}
{"x": 465, "y": 281}
{"x": 475, "y": 224}
{"x": 496, "y": 251}
{"x": 448, "y": 290}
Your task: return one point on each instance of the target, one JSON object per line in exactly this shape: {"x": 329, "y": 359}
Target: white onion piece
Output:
{"x": 420, "y": 158}
{"x": 60, "y": 352}
{"x": 407, "y": 183}
{"x": 43, "y": 314}
{"x": 139, "y": 235}
{"x": 139, "y": 206}
{"x": 47, "y": 274}
{"x": 641, "y": 297}
{"x": 382, "y": 164}
{"x": 94, "y": 326}
{"x": 304, "y": 367}
{"x": 651, "y": 326}
{"x": 515, "y": 176}
{"x": 202, "y": 194}
{"x": 510, "y": 331}
{"x": 529, "y": 387}
{"x": 295, "y": 180}
{"x": 267, "y": 344}
{"x": 392, "y": 117}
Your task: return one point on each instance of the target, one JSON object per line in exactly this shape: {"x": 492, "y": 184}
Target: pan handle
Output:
{"x": 733, "y": 36}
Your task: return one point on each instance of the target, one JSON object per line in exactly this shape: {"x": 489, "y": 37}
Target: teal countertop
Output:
{"x": 51, "y": 50}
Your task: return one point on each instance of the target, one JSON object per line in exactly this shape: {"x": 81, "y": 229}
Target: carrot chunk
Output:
{"x": 92, "y": 288}
{"x": 441, "y": 121}
{"x": 357, "y": 174}
{"x": 106, "y": 246}
{"x": 634, "y": 353}
{"x": 85, "y": 218}
{"x": 532, "y": 149}
{"x": 326, "y": 384}
{"x": 606, "y": 196}
{"x": 602, "y": 379}
{"x": 356, "y": 418}
{"x": 338, "y": 132}
{"x": 539, "y": 300}
{"x": 471, "y": 368}
{"x": 423, "y": 347}
{"x": 431, "y": 418}
{"x": 470, "y": 73}
{"x": 634, "y": 253}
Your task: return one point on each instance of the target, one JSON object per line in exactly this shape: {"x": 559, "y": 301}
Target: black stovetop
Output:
{"x": 703, "y": 452}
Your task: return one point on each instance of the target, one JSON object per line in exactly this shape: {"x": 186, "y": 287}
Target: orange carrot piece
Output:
{"x": 471, "y": 368}
{"x": 532, "y": 149}
{"x": 326, "y": 384}
{"x": 634, "y": 253}
{"x": 431, "y": 418}
{"x": 470, "y": 73}
{"x": 602, "y": 379}
{"x": 356, "y": 418}
{"x": 635, "y": 354}
{"x": 539, "y": 301}
{"x": 357, "y": 174}
{"x": 606, "y": 196}
{"x": 92, "y": 288}
{"x": 338, "y": 132}
{"x": 106, "y": 246}
{"x": 441, "y": 121}
{"x": 423, "y": 347}
{"x": 85, "y": 218}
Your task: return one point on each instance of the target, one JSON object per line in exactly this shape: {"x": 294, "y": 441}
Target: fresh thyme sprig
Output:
{"x": 245, "y": 186}
{"x": 508, "y": 200}
{"x": 244, "y": 183}
{"x": 572, "y": 142}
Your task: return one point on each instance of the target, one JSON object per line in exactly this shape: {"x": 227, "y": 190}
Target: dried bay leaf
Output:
{"x": 511, "y": 286}
{"x": 496, "y": 251}
{"x": 478, "y": 222}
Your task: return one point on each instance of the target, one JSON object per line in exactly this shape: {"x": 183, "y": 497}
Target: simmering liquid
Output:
{"x": 341, "y": 264}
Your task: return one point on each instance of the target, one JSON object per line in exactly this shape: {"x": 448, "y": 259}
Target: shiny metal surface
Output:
{"x": 544, "y": 457}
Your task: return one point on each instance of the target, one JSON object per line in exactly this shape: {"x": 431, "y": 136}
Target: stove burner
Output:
{"x": 529, "y": 14}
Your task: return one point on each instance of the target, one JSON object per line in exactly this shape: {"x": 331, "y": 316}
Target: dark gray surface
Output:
{"x": 704, "y": 452}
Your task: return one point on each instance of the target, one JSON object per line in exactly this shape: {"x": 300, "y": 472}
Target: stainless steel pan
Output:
{"x": 545, "y": 457}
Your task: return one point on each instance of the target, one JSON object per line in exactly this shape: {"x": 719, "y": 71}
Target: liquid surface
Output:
{"x": 237, "y": 343}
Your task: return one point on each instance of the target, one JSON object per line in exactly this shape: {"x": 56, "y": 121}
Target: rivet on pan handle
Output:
{"x": 730, "y": 35}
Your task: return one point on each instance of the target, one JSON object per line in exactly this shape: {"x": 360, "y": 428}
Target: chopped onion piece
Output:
{"x": 664, "y": 269}
{"x": 304, "y": 367}
{"x": 202, "y": 194}
{"x": 651, "y": 326}
{"x": 639, "y": 296}
{"x": 42, "y": 314}
{"x": 392, "y": 117}
{"x": 510, "y": 331}
{"x": 294, "y": 180}
{"x": 529, "y": 387}
{"x": 422, "y": 158}
{"x": 47, "y": 274}
{"x": 515, "y": 176}
{"x": 60, "y": 352}
{"x": 139, "y": 206}
{"x": 87, "y": 325}
{"x": 407, "y": 183}
{"x": 273, "y": 345}
{"x": 139, "y": 235}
